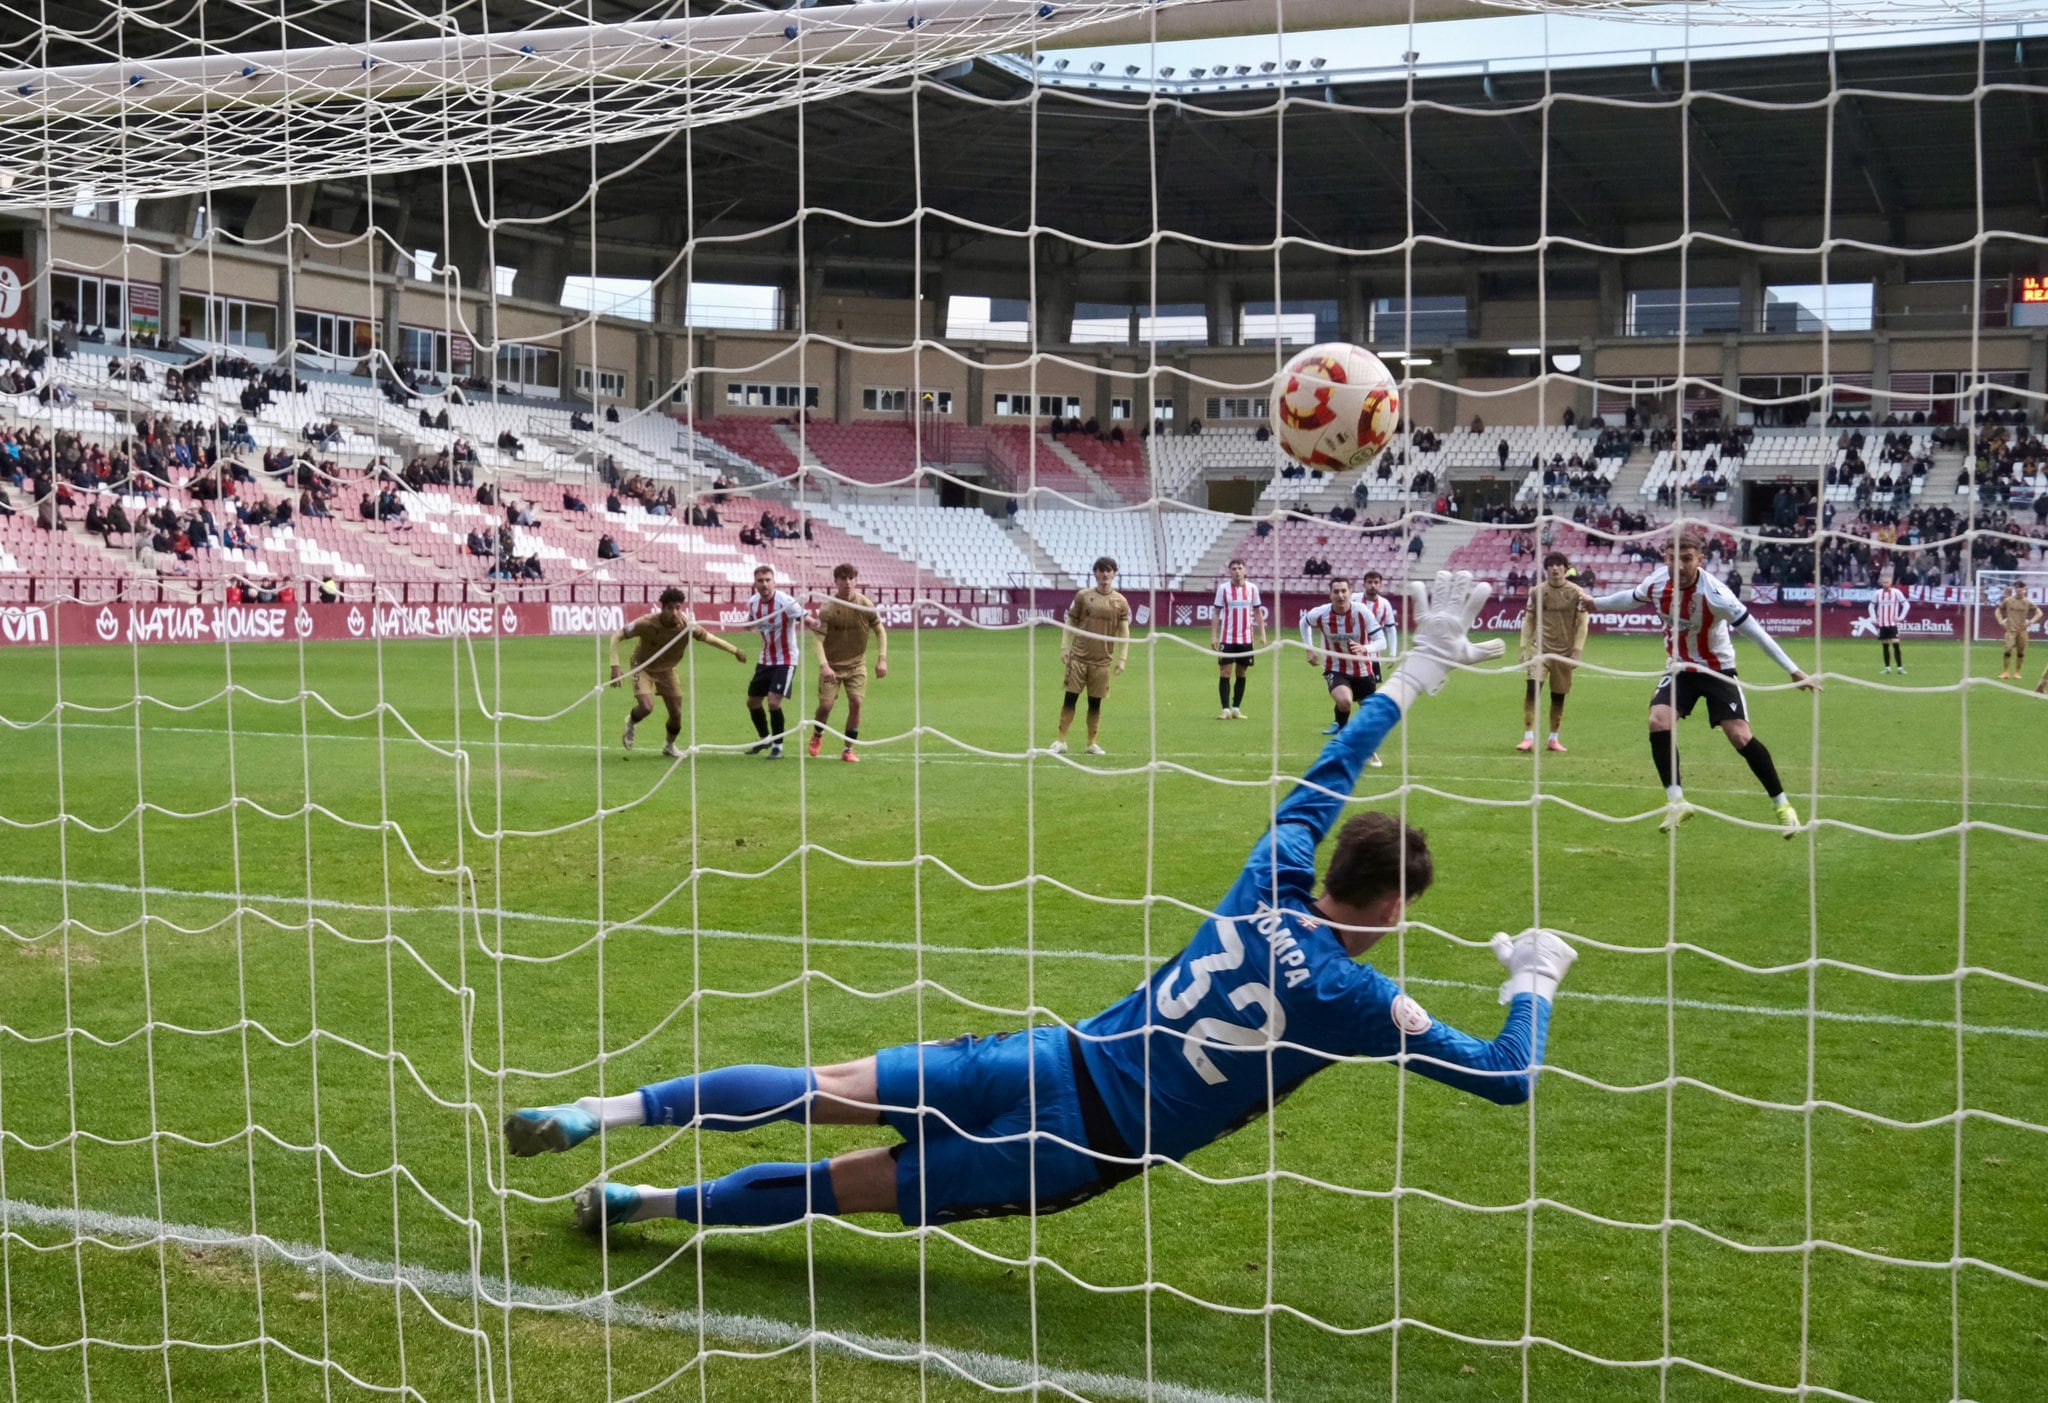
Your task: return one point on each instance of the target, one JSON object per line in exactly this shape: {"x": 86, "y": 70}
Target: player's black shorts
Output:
{"x": 1361, "y": 687}
{"x": 1242, "y": 654}
{"x": 1887, "y": 633}
{"x": 1723, "y": 695}
{"x": 770, "y": 679}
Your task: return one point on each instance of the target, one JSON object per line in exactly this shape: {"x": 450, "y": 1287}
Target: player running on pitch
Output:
{"x": 1345, "y": 643}
{"x": 658, "y": 642}
{"x": 1238, "y": 615}
{"x": 1553, "y": 639}
{"x": 1698, "y": 611}
{"x": 2018, "y": 614}
{"x": 1264, "y": 996}
{"x": 778, "y": 618}
{"x": 845, "y": 624}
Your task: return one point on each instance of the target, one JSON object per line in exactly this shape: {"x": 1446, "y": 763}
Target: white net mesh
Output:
{"x": 300, "y": 911}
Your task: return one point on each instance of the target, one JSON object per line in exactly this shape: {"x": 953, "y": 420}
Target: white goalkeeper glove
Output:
{"x": 1536, "y": 961}
{"x": 1445, "y": 612}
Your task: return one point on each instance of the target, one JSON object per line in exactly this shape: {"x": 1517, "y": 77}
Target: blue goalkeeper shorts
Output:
{"x": 968, "y": 1151}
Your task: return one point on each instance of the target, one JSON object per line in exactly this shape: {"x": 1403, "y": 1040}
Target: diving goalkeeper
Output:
{"x": 1267, "y": 993}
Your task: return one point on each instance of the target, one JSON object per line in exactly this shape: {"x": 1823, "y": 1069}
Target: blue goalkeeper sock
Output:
{"x": 731, "y": 1098}
{"x": 760, "y": 1196}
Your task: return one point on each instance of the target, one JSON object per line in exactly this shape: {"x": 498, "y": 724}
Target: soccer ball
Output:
{"x": 1335, "y": 407}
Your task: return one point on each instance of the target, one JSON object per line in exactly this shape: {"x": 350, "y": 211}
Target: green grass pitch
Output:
{"x": 354, "y": 897}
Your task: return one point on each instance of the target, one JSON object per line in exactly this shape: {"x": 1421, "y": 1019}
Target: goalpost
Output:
{"x": 305, "y": 905}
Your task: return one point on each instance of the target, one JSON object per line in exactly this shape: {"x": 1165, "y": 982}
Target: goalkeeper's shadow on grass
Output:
{"x": 748, "y": 1271}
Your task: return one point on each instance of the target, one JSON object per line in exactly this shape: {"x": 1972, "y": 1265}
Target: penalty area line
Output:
{"x": 901, "y": 947}
{"x": 762, "y": 1332}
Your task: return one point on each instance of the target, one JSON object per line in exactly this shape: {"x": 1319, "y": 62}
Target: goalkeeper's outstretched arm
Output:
{"x": 1287, "y": 853}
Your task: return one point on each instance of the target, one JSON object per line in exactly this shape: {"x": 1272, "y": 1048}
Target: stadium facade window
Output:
{"x": 332, "y": 334}
{"x": 630, "y": 298}
{"x": 424, "y": 261}
{"x": 1418, "y": 321}
{"x": 1802, "y": 397}
{"x": 1119, "y": 409}
{"x": 987, "y": 319}
{"x": 1808, "y": 307}
{"x": 938, "y": 401}
{"x": 228, "y": 321}
{"x": 1658, "y": 311}
{"x": 87, "y": 301}
{"x": 1059, "y": 406}
{"x": 609, "y": 384}
{"x": 423, "y": 348}
{"x": 741, "y": 306}
{"x": 1162, "y": 410}
{"x": 1226, "y": 407}
{"x": 884, "y": 401}
{"x": 530, "y": 368}
{"x": 502, "y": 279}
{"x": 1110, "y": 322}
{"x": 1300, "y": 322}
{"x": 746, "y": 396}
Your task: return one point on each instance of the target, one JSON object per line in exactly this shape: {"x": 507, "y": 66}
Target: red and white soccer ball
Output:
{"x": 1335, "y": 407}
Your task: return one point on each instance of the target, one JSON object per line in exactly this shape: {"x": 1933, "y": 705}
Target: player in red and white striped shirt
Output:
{"x": 778, "y": 618}
{"x": 1345, "y": 642}
{"x": 1239, "y": 613}
{"x": 1698, "y": 612}
{"x": 1888, "y": 609}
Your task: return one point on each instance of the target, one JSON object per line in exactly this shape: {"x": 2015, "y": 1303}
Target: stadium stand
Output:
{"x": 960, "y": 544}
{"x": 1159, "y": 554}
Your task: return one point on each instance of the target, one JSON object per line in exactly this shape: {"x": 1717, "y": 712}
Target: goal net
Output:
{"x": 364, "y": 373}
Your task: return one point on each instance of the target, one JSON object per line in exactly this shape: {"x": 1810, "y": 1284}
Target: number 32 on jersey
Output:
{"x": 1201, "y": 974}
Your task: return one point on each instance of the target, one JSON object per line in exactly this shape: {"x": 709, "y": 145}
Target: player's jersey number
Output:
{"x": 1201, "y": 974}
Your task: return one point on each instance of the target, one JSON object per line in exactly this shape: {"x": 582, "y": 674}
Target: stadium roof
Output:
{"x": 1631, "y": 163}
{"x": 1883, "y": 150}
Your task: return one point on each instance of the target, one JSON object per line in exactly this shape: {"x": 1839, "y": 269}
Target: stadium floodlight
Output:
{"x": 1131, "y": 70}
{"x": 1095, "y": 67}
{"x": 1410, "y": 58}
{"x": 1167, "y": 72}
{"x": 1060, "y": 66}
{"x": 1197, "y": 72}
{"x": 1293, "y": 64}
{"x": 1525, "y": 350}
{"x": 1268, "y": 66}
{"x": 1242, "y": 69}
{"x": 1317, "y": 62}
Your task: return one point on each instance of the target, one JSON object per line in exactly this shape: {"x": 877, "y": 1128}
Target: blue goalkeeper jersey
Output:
{"x": 1265, "y": 995}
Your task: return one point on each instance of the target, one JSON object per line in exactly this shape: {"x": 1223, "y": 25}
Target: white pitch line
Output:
{"x": 887, "y": 755}
{"x": 1890, "y": 1020}
{"x": 761, "y": 1332}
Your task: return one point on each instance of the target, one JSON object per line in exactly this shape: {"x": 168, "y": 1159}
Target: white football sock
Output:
{"x": 615, "y": 1111}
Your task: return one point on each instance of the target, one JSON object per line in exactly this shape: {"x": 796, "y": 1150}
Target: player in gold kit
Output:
{"x": 2018, "y": 614}
{"x": 845, "y": 624}
{"x": 1553, "y": 639}
{"x": 1098, "y": 643}
{"x": 658, "y": 643}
